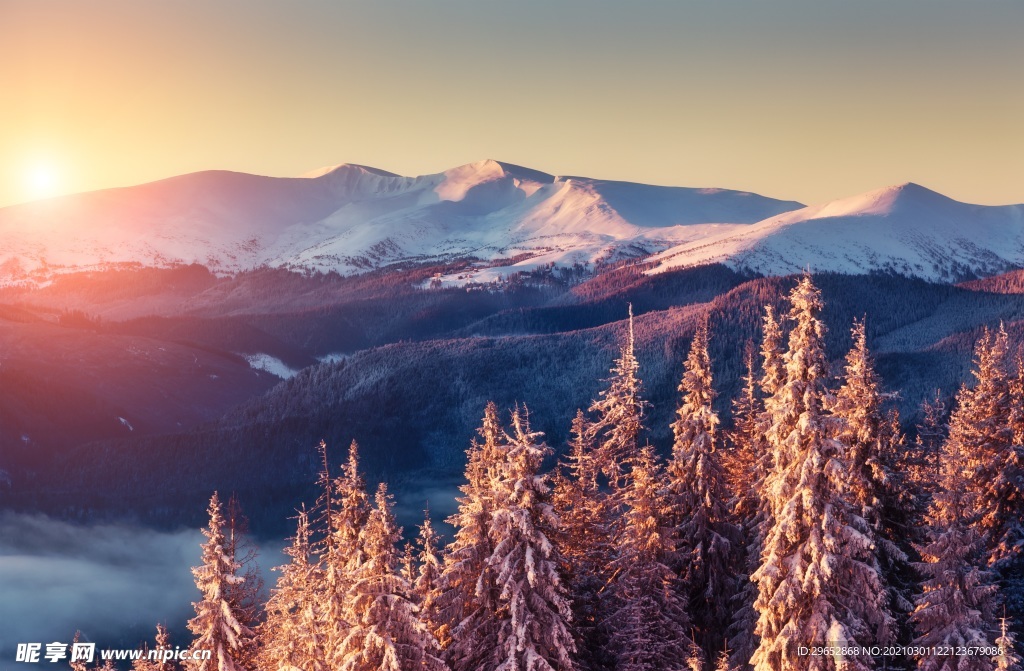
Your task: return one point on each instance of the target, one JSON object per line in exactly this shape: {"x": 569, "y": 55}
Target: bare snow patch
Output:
{"x": 271, "y": 365}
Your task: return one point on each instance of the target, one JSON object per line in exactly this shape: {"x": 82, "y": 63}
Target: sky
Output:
{"x": 797, "y": 99}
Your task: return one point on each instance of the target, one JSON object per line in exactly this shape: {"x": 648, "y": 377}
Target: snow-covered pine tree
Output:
{"x": 163, "y": 642}
{"x": 747, "y": 467}
{"x": 1007, "y": 494}
{"x": 246, "y": 597}
{"x": 619, "y": 414}
{"x": 956, "y": 606}
{"x": 216, "y": 626}
{"x": 873, "y": 484}
{"x": 533, "y": 615}
{"x": 647, "y": 622}
{"x": 342, "y": 556}
{"x": 385, "y": 632}
{"x": 467, "y": 598}
{"x": 819, "y": 582}
{"x": 290, "y": 633}
{"x": 1007, "y": 659}
{"x": 409, "y": 569}
{"x": 705, "y": 540}
{"x": 427, "y": 585}
{"x": 583, "y": 543}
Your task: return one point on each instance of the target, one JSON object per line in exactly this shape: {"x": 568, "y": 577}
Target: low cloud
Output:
{"x": 112, "y": 582}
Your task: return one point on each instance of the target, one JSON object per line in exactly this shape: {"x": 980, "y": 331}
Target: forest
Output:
{"x": 811, "y": 533}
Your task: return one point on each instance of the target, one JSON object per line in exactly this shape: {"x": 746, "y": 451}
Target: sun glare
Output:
{"x": 41, "y": 181}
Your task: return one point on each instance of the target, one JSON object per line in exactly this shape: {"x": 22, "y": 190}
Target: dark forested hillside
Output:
{"x": 412, "y": 372}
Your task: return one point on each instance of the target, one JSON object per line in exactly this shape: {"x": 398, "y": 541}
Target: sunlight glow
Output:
{"x": 41, "y": 181}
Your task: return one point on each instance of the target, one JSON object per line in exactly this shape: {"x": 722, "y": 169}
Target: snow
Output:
{"x": 352, "y": 218}
{"x": 905, "y": 228}
{"x": 270, "y": 364}
{"x": 126, "y": 423}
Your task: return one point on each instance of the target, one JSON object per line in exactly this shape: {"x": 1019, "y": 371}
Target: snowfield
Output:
{"x": 351, "y": 218}
{"x": 906, "y": 229}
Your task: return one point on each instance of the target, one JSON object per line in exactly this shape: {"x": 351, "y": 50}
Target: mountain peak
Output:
{"x": 346, "y": 168}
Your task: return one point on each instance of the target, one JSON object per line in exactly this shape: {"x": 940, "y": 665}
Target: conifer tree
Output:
{"x": 385, "y": 632}
{"x": 216, "y": 625}
{"x": 695, "y": 499}
{"x": 583, "y": 542}
{"x": 1007, "y": 659}
{"x": 246, "y": 596}
{"x": 819, "y": 581}
{"x": 533, "y": 616}
{"x": 427, "y": 584}
{"x": 468, "y": 597}
{"x": 290, "y": 633}
{"x": 619, "y": 410}
{"x": 647, "y": 622}
{"x": 956, "y": 607}
{"x": 747, "y": 468}
{"x": 982, "y": 429}
{"x": 873, "y": 485}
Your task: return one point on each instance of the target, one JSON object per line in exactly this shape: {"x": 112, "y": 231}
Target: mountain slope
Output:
{"x": 351, "y": 218}
{"x": 906, "y": 229}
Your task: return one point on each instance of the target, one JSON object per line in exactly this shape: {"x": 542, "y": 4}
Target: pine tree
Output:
{"x": 647, "y": 622}
{"x": 385, "y": 632}
{"x": 533, "y": 615}
{"x": 428, "y": 580}
{"x": 290, "y": 633}
{"x": 342, "y": 556}
{"x": 747, "y": 468}
{"x": 956, "y": 607}
{"x": 468, "y": 597}
{"x": 818, "y": 582}
{"x": 695, "y": 499}
{"x": 245, "y": 597}
{"x": 1007, "y": 659}
{"x": 216, "y": 625}
{"x": 619, "y": 410}
{"x": 873, "y": 485}
{"x": 583, "y": 542}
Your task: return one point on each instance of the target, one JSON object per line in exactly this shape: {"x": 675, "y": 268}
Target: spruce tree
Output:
{"x": 583, "y": 542}
{"x": 468, "y": 599}
{"x": 533, "y": 615}
{"x": 426, "y": 587}
{"x": 696, "y": 504}
{"x": 290, "y": 635}
{"x": 216, "y": 625}
{"x": 647, "y": 622}
{"x": 819, "y": 582}
{"x": 877, "y": 490}
{"x": 619, "y": 414}
{"x": 385, "y": 632}
{"x": 957, "y": 604}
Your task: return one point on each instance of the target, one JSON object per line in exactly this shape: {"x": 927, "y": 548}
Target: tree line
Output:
{"x": 814, "y": 523}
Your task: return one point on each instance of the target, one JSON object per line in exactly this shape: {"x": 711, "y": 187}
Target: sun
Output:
{"x": 42, "y": 180}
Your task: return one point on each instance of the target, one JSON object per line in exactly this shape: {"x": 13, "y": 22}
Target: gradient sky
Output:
{"x": 809, "y": 99}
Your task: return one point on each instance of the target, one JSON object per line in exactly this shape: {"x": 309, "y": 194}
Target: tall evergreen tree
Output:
{"x": 245, "y": 597}
{"x": 385, "y": 632}
{"x": 533, "y": 615}
{"x": 583, "y": 542}
{"x": 290, "y": 635}
{"x": 873, "y": 485}
{"x": 748, "y": 467}
{"x": 695, "y": 494}
{"x": 956, "y": 607}
{"x": 468, "y": 597}
{"x": 819, "y": 581}
{"x": 619, "y": 416}
{"x": 647, "y": 620}
{"x": 216, "y": 625}
{"x": 428, "y": 579}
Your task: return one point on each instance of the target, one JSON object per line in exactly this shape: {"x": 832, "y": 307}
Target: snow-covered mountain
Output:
{"x": 352, "y": 218}
{"x": 907, "y": 229}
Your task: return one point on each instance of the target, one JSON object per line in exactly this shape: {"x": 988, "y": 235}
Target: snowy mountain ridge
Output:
{"x": 352, "y": 218}
{"x": 907, "y": 229}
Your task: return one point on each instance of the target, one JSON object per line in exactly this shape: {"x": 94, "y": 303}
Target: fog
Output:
{"x": 112, "y": 582}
